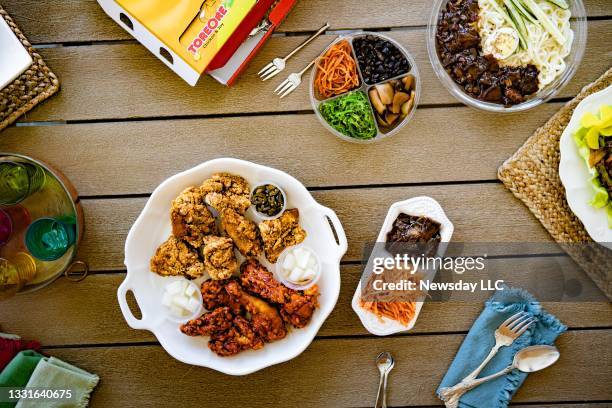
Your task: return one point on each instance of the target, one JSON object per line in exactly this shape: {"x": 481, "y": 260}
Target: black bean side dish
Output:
{"x": 458, "y": 46}
{"x": 268, "y": 200}
{"x": 379, "y": 59}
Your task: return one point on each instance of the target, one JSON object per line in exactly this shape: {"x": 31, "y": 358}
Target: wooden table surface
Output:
{"x": 123, "y": 122}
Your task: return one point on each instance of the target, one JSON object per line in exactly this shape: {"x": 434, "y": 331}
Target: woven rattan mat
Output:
{"x": 532, "y": 174}
{"x": 33, "y": 86}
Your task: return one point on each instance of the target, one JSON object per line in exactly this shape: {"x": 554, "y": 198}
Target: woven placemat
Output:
{"x": 532, "y": 174}
{"x": 33, "y": 86}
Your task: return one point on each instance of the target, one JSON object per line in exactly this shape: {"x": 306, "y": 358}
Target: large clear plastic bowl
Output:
{"x": 578, "y": 23}
{"x": 365, "y": 88}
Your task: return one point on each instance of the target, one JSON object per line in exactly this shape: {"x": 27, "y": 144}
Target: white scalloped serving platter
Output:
{"x": 153, "y": 227}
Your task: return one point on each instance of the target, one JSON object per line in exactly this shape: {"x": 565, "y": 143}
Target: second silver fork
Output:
{"x": 293, "y": 81}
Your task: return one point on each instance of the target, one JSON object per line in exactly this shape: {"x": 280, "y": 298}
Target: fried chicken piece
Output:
{"x": 242, "y": 231}
{"x": 214, "y": 295}
{"x": 265, "y": 319}
{"x": 218, "y": 320}
{"x": 280, "y": 233}
{"x": 239, "y": 337}
{"x": 256, "y": 279}
{"x": 219, "y": 258}
{"x": 191, "y": 219}
{"x": 225, "y": 190}
{"x": 300, "y": 306}
{"x": 296, "y": 307}
{"x": 229, "y": 333}
{"x": 176, "y": 258}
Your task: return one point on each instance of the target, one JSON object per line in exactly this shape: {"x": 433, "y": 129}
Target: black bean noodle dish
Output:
{"x": 503, "y": 51}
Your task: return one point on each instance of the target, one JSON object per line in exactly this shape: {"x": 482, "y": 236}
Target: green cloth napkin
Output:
{"x": 56, "y": 374}
{"x": 18, "y": 371}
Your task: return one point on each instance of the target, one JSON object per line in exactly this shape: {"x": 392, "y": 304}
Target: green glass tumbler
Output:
{"x": 19, "y": 180}
{"x": 49, "y": 239}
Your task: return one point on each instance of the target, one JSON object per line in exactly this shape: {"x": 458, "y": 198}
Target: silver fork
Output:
{"x": 293, "y": 81}
{"x": 510, "y": 330}
{"x": 278, "y": 64}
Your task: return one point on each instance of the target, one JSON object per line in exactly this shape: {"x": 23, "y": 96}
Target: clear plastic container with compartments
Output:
{"x": 381, "y": 132}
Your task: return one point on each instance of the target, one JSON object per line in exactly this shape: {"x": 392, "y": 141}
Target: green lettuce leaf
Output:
{"x": 600, "y": 197}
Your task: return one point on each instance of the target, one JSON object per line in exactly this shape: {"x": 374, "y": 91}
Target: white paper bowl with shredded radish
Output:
{"x": 152, "y": 227}
{"x": 418, "y": 206}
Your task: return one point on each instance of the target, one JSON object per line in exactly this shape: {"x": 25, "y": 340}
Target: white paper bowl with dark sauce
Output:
{"x": 417, "y": 206}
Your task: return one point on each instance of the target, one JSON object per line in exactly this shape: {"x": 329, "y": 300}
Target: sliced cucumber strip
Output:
{"x": 518, "y": 23}
{"x": 561, "y": 3}
{"x": 502, "y": 10}
{"x": 543, "y": 18}
{"x": 517, "y": 4}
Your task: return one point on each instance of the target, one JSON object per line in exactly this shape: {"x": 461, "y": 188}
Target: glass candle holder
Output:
{"x": 26, "y": 266}
{"x": 49, "y": 239}
{"x": 19, "y": 180}
{"x": 6, "y": 227}
{"x": 20, "y": 217}
{"x": 10, "y": 283}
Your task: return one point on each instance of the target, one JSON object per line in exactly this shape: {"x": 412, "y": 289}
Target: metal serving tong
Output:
{"x": 278, "y": 64}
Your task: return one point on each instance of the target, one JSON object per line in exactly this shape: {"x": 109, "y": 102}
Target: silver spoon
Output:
{"x": 528, "y": 360}
{"x": 385, "y": 364}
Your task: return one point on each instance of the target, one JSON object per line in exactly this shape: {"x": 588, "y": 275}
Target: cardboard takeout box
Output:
{"x": 196, "y": 36}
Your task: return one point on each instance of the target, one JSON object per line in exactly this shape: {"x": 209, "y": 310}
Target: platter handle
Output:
{"x": 333, "y": 218}
{"x": 131, "y": 320}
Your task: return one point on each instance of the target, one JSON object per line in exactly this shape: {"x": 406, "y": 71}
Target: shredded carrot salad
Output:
{"x": 337, "y": 71}
{"x": 403, "y": 312}
{"x": 396, "y": 306}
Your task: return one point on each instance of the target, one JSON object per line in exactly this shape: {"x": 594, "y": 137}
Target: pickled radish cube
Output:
{"x": 302, "y": 258}
{"x": 296, "y": 275}
{"x": 190, "y": 290}
{"x": 175, "y": 287}
{"x": 167, "y": 299}
{"x": 181, "y": 301}
{"x": 177, "y": 311}
{"x": 312, "y": 263}
{"x": 184, "y": 285}
{"x": 289, "y": 262}
{"x": 309, "y": 274}
{"x": 193, "y": 305}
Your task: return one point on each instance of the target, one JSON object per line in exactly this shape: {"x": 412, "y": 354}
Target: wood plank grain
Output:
{"x": 361, "y": 212}
{"x": 90, "y": 314}
{"x": 334, "y": 372}
{"x": 50, "y": 21}
{"x": 472, "y": 143}
{"x": 107, "y": 81}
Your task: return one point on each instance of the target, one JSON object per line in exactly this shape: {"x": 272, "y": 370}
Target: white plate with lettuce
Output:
{"x": 582, "y": 162}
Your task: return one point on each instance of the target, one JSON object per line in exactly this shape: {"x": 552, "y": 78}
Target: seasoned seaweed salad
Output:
{"x": 350, "y": 115}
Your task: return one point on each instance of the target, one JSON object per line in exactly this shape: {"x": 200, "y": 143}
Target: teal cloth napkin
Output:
{"x": 56, "y": 374}
{"x": 18, "y": 371}
{"x": 480, "y": 339}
